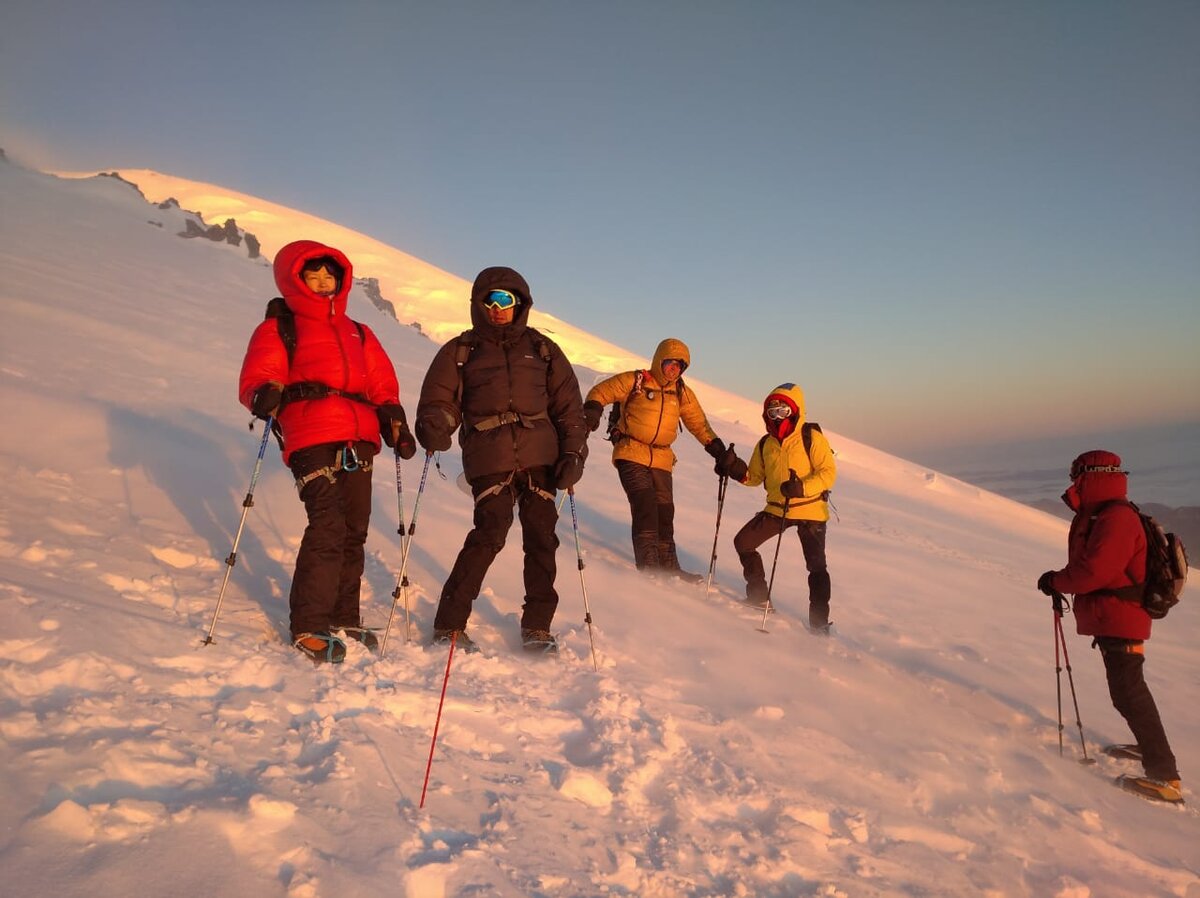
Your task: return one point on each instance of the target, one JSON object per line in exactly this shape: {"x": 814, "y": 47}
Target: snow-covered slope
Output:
{"x": 915, "y": 753}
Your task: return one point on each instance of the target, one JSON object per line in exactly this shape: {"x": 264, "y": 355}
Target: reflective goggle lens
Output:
{"x": 779, "y": 411}
{"x": 500, "y": 299}
{"x": 680, "y": 362}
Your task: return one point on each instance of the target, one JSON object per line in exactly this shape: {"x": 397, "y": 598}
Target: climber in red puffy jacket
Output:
{"x": 329, "y": 395}
{"x": 1106, "y": 550}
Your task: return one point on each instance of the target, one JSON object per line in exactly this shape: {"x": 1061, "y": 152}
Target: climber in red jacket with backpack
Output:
{"x": 1106, "y": 552}
{"x": 330, "y": 390}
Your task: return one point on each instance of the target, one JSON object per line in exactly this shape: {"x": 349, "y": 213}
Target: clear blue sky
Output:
{"x": 948, "y": 221}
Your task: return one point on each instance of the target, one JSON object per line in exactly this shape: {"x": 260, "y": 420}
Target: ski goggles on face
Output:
{"x": 500, "y": 299}
{"x": 777, "y": 411}
{"x": 680, "y": 362}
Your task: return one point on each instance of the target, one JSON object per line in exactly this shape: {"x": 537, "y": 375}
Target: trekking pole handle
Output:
{"x": 1060, "y": 603}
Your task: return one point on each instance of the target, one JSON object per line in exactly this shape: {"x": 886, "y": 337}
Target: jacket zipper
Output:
{"x": 345, "y": 370}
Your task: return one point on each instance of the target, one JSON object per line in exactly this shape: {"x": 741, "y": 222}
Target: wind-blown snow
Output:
{"x": 915, "y": 753}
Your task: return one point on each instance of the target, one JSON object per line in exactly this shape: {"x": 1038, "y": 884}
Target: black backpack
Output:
{"x": 1166, "y": 569}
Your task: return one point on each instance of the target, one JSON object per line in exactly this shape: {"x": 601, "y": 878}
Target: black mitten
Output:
{"x": 265, "y": 401}
{"x": 1045, "y": 583}
{"x": 793, "y": 487}
{"x": 434, "y": 429}
{"x": 592, "y": 410}
{"x": 393, "y": 427}
{"x": 567, "y": 470}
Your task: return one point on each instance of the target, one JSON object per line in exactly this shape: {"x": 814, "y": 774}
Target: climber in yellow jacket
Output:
{"x": 795, "y": 465}
{"x": 649, "y": 406}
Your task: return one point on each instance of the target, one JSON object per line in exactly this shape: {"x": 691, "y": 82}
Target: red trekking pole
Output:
{"x": 438, "y": 720}
{"x": 1059, "y": 601}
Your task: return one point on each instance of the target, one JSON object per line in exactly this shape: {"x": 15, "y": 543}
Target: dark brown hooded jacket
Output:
{"x": 518, "y": 409}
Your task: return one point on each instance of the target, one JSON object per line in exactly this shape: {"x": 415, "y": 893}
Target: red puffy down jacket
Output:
{"x": 329, "y": 350}
{"x": 1106, "y": 549}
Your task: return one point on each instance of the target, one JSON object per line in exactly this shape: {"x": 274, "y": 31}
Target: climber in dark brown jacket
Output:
{"x": 514, "y": 398}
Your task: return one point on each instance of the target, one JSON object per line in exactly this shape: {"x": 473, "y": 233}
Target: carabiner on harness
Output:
{"x": 350, "y": 460}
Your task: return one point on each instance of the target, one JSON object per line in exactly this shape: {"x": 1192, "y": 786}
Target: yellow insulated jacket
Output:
{"x": 651, "y": 410}
{"x": 772, "y": 461}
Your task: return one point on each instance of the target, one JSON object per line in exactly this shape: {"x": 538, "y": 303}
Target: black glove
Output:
{"x": 738, "y": 469}
{"x": 793, "y": 487}
{"x": 727, "y": 462}
{"x": 567, "y": 470}
{"x": 434, "y": 429}
{"x": 592, "y": 410}
{"x": 715, "y": 448}
{"x": 265, "y": 401}
{"x": 393, "y": 427}
{"x": 1045, "y": 584}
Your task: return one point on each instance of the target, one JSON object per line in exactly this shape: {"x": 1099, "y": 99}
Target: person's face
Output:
{"x": 671, "y": 369}
{"x": 321, "y": 281}
{"x": 500, "y": 317}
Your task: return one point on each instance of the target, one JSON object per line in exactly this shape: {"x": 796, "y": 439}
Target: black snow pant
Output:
{"x": 1123, "y": 661}
{"x": 763, "y": 527}
{"x": 329, "y": 565}
{"x": 652, "y": 508}
{"x": 532, "y": 491}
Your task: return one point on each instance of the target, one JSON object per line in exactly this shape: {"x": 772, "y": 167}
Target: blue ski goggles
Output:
{"x": 501, "y": 299}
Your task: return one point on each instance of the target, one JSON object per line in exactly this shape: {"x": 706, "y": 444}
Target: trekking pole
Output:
{"x": 402, "y": 579}
{"x": 438, "y": 720}
{"x": 247, "y": 504}
{"x": 1058, "y": 672}
{"x": 771, "y": 582}
{"x": 722, "y": 483}
{"x": 1059, "y": 601}
{"x": 587, "y": 611}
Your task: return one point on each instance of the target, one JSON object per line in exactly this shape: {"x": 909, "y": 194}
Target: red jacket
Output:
{"x": 1106, "y": 549}
{"x": 329, "y": 350}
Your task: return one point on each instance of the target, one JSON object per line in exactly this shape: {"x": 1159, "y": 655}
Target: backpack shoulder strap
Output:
{"x": 285, "y": 320}
{"x": 1104, "y": 507}
{"x": 541, "y": 342}
{"x": 463, "y": 344}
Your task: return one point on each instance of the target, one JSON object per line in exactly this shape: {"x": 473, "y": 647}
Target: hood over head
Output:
{"x": 669, "y": 348}
{"x": 499, "y": 277}
{"x": 290, "y": 262}
{"x": 793, "y": 397}
{"x": 1096, "y": 478}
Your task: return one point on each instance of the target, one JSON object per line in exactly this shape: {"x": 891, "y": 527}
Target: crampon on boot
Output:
{"x": 364, "y": 635}
{"x": 463, "y": 643}
{"x": 539, "y": 641}
{"x": 1169, "y": 791}
{"x": 321, "y": 647}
